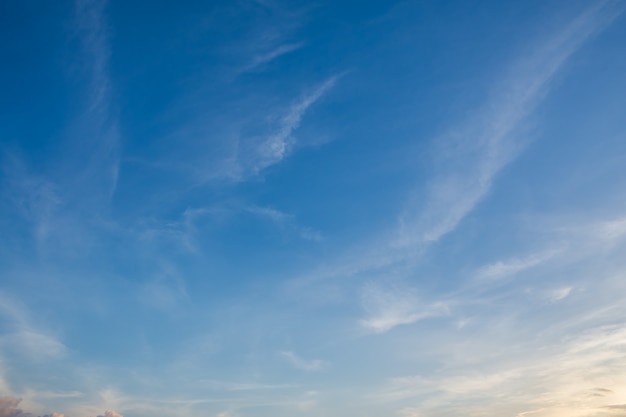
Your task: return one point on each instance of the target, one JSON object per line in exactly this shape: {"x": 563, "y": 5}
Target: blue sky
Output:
{"x": 260, "y": 208}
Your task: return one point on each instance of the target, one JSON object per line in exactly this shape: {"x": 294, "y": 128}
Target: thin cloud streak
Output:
{"x": 303, "y": 364}
{"x": 502, "y": 269}
{"x": 264, "y": 59}
{"x": 583, "y": 374}
{"x": 275, "y": 147}
{"x": 250, "y": 155}
{"x": 100, "y": 118}
{"x": 472, "y": 156}
{"x": 388, "y": 308}
{"x": 478, "y": 151}
{"x": 284, "y": 220}
{"x": 25, "y": 338}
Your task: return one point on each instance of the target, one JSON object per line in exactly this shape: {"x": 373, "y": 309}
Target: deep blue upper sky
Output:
{"x": 260, "y": 208}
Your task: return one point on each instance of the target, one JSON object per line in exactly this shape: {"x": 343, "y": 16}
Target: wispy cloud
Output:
{"x": 470, "y": 157}
{"x": 25, "y": 338}
{"x": 264, "y": 58}
{"x": 100, "y": 122}
{"x": 92, "y": 26}
{"x": 244, "y": 386}
{"x": 36, "y": 198}
{"x": 610, "y": 230}
{"x": 502, "y": 269}
{"x": 559, "y": 293}
{"x": 304, "y": 364}
{"x": 244, "y": 156}
{"x": 166, "y": 290}
{"x": 393, "y": 306}
{"x": 285, "y": 220}
{"x": 575, "y": 378}
{"x": 262, "y": 152}
{"x": 474, "y": 154}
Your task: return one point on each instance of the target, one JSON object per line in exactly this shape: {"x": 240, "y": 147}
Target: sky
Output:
{"x": 271, "y": 208}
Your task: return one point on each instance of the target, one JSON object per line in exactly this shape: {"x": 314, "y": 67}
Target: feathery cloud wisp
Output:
{"x": 267, "y": 57}
{"x": 510, "y": 267}
{"x": 391, "y": 307}
{"x": 303, "y": 364}
{"x": 272, "y": 148}
{"x": 478, "y": 151}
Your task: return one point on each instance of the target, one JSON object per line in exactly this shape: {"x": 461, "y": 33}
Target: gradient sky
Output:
{"x": 266, "y": 208}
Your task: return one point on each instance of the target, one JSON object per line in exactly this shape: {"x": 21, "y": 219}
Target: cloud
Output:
{"x": 285, "y": 220}
{"x": 502, "y": 269}
{"x": 35, "y": 198}
{"x": 165, "y": 290}
{"x": 303, "y": 364}
{"x": 25, "y": 338}
{"x": 274, "y": 147}
{"x": 92, "y": 26}
{"x": 559, "y": 294}
{"x": 265, "y": 58}
{"x": 390, "y": 307}
{"x": 8, "y": 408}
{"x": 246, "y": 155}
{"x": 111, "y": 413}
{"x": 559, "y": 375}
{"x": 472, "y": 156}
{"x": 469, "y": 159}
{"x": 99, "y": 122}
{"x": 612, "y": 230}
{"x": 244, "y": 386}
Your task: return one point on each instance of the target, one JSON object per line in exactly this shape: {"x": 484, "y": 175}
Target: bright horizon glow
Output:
{"x": 326, "y": 209}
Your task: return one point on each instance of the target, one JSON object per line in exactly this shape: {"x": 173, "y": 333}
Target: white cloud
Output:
{"x": 390, "y": 307}
{"x": 303, "y": 364}
{"x": 612, "y": 230}
{"x": 25, "y": 338}
{"x": 37, "y": 199}
{"x": 469, "y": 159}
{"x": 102, "y": 159}
{"x": 244, "y": 386}
{"x": 264, "y": 58}
{"x": 91, "y": 23}
{"x": 573, "y": 377}
{"x": 502, "y": 269}
{"x": 34, "y": 344}
{"x": 8, "y": 408}
{"x": 559, "y": 293}
{"x": 285, "y": 220}
{"x": 111, "y": 413}
{"x": 271, "y": 149}
{"x": 474, "y": 154}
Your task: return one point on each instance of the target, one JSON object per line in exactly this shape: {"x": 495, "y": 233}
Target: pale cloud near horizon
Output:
{"x": 185, "y": 290}
{"x": 9, "y": 408}
{"x": 585, "y": 373}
